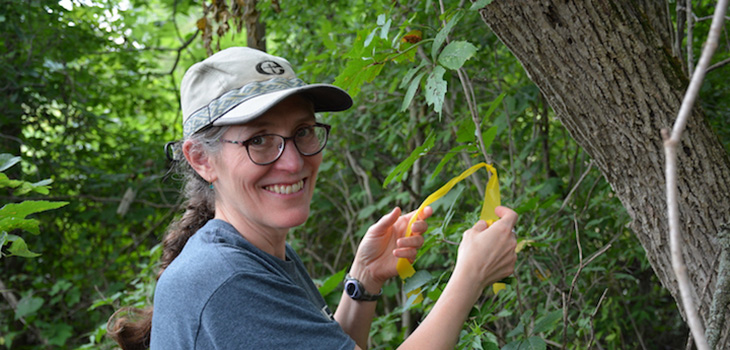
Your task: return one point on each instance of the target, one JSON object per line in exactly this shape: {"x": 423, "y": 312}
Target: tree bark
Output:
{"x": 608, "y": 70}
{"x": 255, "y": 28}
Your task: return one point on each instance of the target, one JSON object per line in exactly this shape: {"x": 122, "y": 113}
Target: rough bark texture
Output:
{"x": 607, "y": 69}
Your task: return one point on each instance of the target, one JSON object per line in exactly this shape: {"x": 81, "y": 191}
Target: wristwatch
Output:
{"x": 357, "y": 291}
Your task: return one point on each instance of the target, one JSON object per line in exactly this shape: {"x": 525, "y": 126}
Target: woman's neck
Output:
{"x": 269, "y": 239}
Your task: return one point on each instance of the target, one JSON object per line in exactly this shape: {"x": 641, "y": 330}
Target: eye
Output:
{"x": 257, "y": 141}
{"x": 304, "y": 132}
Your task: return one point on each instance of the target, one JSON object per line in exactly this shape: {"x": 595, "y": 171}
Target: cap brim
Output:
{"x": 325, "y": 98}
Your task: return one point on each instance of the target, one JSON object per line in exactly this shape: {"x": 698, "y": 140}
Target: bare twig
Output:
{"x": 570, "y": 194}
{"x": 581, "y": 266}
{"x": 670, "y": 145}
{"x": 361, "y": 173}
{"x": 718, "y": 65}
{"x": 690, "y": 37}
{"x": 593, "y": 316}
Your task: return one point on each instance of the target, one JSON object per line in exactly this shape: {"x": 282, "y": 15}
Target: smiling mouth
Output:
{"x": 286, "y": 189}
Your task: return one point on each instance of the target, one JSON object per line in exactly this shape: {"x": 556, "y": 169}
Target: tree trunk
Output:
{"x": 607, "y": 69}
{"x": 255, "y": 28}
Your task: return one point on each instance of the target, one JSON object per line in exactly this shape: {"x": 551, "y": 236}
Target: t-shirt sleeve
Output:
{"x": 265, "y": 311}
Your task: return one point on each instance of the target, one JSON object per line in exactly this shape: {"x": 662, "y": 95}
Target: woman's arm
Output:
{"x": 486, "y": 255}
{"x": 375, "y": 262}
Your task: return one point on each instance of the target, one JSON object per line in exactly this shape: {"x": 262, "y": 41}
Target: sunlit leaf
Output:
{"x": 7, "y": 161}
{"x": 441, "y": 36}
{"x": 480, "y": 4}
{"x": 456, "y": 53}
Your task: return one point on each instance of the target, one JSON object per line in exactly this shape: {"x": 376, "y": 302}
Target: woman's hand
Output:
{"x": 487, "y": 254}
{"x": 385, "y": 242}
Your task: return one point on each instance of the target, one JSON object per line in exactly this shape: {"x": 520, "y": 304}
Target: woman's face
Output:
{"x": 263, "y": 197}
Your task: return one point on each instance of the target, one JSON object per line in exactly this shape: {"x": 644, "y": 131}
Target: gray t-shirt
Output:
{"x": 221, "y": 292}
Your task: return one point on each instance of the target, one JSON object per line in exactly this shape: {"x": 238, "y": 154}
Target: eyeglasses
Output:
{"x": 268, "y": 148}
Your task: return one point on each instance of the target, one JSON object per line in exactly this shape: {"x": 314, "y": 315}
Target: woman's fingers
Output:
{"x": 406, "y": 253}
{"x": 385, "y": 222}
{"x": 410, "y": 242}
{"x": 407, "y": 247}
{"x": 425, "y": 213}
{"x": 508, "y": 215}
{"x": 420, "y": 226}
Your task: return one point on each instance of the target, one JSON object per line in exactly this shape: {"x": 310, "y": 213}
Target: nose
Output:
{"x": 291, "y": 160}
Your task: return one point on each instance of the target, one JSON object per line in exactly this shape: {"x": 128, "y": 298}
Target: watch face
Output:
{"x": 351, "y": 289}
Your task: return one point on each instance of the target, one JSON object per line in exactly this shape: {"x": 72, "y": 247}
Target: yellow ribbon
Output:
{"x": 491, "y": 201}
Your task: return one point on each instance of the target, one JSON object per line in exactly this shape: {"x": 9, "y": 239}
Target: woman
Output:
{"x": 229, "y": 280}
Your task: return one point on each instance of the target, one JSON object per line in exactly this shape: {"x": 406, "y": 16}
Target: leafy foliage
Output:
{"x": 91, "y": 98}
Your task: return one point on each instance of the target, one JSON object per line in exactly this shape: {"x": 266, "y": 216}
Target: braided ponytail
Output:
{"x": 131, "y": 327}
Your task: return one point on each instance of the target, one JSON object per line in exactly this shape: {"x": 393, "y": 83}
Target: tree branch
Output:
{"x": 670, "y": 151}
{"x": 718, "y": 65}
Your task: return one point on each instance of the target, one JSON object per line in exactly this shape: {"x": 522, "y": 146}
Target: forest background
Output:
{"x": 91, "y": 95}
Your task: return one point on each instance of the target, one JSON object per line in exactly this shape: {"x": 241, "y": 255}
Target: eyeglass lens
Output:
{"x": 265, "y": 149}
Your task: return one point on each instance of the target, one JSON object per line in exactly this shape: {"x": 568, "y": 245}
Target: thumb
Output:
{"x": 386, "y": 221}
{"x": 508, "y": 215}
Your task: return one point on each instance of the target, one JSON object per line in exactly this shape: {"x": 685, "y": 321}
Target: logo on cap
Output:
{"x": 270, "y": 68}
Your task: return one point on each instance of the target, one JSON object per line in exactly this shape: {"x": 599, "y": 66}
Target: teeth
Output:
{"x": 286, "y": 189}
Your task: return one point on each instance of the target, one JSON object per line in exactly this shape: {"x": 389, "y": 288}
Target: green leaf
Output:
{"x": 58, "y": 334}
{"x": 367, "y": 211}
{"x": 418, "y": 280}
{"x": 331, "y": 283}
{"x": 492, "y": 106}
{"x": 531, "y": 343}
{"x": 24, "y": 188}
{"x": 480, "y": 4}
{"x": 456, "y": 53}
{"x": 28, "y": 306}
{"x": 411, "y": 92}
{"x": 489, "y": 136}
{"x": 20, "y": 248}
{"x": 408, "y": 78}
{"x": 7, "y": 161}
{"x": 436, "y": 88}
{"x": 25, "y": 208}
{"x": 358, "y": 72}
{"x": 6, "y": 182}
{"x": 547, "y": 322}
{"x": 517, "y": 330}
{"x": 443, "y": 33}
{"x": 452, "y": 152}
{"x": 534, "y": 343}
{"x": 13, "y": 223}
{"x": 406, "y": 164}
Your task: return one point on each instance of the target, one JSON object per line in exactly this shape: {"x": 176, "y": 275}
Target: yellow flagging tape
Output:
{"x": 491, "y": 201}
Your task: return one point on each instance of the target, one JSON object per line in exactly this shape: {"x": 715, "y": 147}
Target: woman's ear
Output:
{"x": 200, "y": 161}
